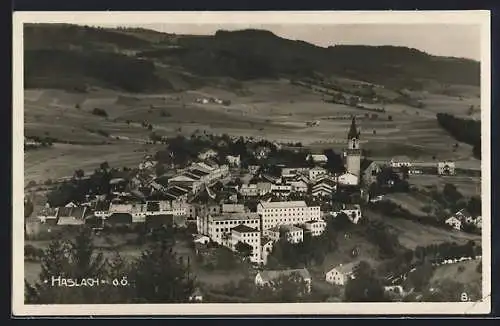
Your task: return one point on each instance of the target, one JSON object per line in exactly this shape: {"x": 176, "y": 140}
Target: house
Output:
{"x": 118, "y": 219}
{"x": 263, "y": 188}
{"x": 353, "y": 212}
{"x": 250, "y": 236}
{"x": 340, "y": 274}
{"x": 291, "y": 233}
{"x": 201, "y": 239}
{"x": 286, "y": 212}
{"x": 261, "y": 152}
{"x": 324, "y": 187}
{"x": 446, "y": 168}
{"x": 315, "y": 228}
{"x": 72, "y": 215}
{"x": 234, "y": 160}
{"x": 281, "y": 190}
{"x": 317, "y": 158}
{"x": 48, "y": 215}
{"x": 209, "y": 153}
{"x": 347, "y": 179}
{"x": 298, "y": 186}
{"x": 196, "y": 296}
{"x": 454, "y": 223}
{"x": 268, "y": 277}
{"x": 316, "y": 172}
{"x": 293, "y": 172}
{"x": 369, "y": 172}
{"x": 267, "y": 248}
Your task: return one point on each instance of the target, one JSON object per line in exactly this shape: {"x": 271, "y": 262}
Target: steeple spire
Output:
{"x": 353, "y": 131}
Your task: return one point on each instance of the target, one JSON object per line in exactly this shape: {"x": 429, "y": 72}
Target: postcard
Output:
{"x": 251, "y": 163}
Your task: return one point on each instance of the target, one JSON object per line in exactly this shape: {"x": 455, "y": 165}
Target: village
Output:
{"x": 250, "y": 205}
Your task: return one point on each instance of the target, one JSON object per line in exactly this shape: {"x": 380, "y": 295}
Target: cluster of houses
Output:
{"x": 207, "y": 100}
{"x": 462, "y": 218}
{"x": 444, "y": 168}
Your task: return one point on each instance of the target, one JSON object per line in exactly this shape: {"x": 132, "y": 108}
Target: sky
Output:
{"x": 454, "y": 40}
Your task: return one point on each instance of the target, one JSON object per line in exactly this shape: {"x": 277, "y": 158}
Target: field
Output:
{"x": 464, "y": 272}
{"x": 274, "y": 110}
{"x": 413, "y": 234}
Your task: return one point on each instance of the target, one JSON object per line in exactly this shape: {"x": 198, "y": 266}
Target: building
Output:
{"x": 291, "y": 233}
{"x": 446, "y": 168}
{"x": 317, "y": 158}
{"x": 293, "y": 172}
{"x": 340, "y": 274}
{"x": 250, "y": 236}
{"x": 219, "y": 227}
{"x": 253, "y": 169}
{"x": 324, "y": 187}
{"x": 209, "y": 153}
{"x": 71, "y": 215}
{"x": 234, "y": 160}
{"x": 315, "y": 228}
{"x": 261, "y": 152}
{"x": 233, "y": 208}
{"x": 348, "y": 179}
{"x": 249, "y": 190}
{"x": 353, "y": 151}
{"x": 316, "y": 173}
{"x": 400, "y": 161}
{"x": 267, "y": 248}
{"x": 298, "y": 186}
{"x": 353, "y": 212}
{"x": 281, "y": 190}
{"x": 268, "y": 277}
{"x": 196, "y": 296}
{"x": 263, "y": 188}
{"x": 369, "y": 170}
{"x": 454, "y": 223}
{"x": 286, "y": 212}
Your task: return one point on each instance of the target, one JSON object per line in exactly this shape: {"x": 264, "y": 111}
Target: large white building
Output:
{"x": 249, "y": 190}
{"x": 286, "y": 212}
{"x": 219, "y": 227}
{"x": 250, "y": 236}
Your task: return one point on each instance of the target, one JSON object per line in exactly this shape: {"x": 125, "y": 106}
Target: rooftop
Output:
{"x": 244, "y": 229}
{"x": 285, "y": 227}
{"x": 235, "y": 216}
{"x": 346, "y": 268}
{"x": 283, "y": 204}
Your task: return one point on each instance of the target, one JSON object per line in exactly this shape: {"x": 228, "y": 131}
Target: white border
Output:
{"x": 130, "y": 18}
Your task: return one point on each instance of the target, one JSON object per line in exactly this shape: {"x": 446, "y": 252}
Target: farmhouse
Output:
{"x": 454, "y": 223}
{"x": 340, "y": 274}
{"x": 268, "y": 277}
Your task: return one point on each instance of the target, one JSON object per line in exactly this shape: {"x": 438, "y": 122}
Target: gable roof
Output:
{"x": 270, "y": 275}
{"x": 345, "y": 268}
{"x": 244, "y": 229}
{"x": 365, "y": 163}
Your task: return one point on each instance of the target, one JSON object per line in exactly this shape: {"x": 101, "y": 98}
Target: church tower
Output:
{"x": 353, "y": 151}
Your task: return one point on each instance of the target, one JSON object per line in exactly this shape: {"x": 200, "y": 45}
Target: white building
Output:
{"x": 292, "y": 172}
{"x": 353, "y": 212}
{"x": 400, "y": 161}
{"x": 286, "y": 212}
{"x": 201, "y": 239}
{"x": 348, "y": 179}
{"x": 281, "y": 189}
{"x": 316, "y": 228}
{"x": 446, "y": 168}
{"x": 234, "y": 160}
{"x": 454, "y": 223}
{"x": 340, "y": 274}
{"x": 250, "y": 236}
{"x": 263, "y": 188}
{"x": 316, "y": 173}
{"x": 219, "y": 227}
{"x": 291, "y": 233}
{"x": 267, "y": 248}
{"x": 249, "y": 190}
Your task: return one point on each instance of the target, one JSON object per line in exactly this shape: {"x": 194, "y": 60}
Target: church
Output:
{"x": 352, "y": 158}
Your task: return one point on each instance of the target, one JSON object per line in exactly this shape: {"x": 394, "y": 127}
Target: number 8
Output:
{"x": 464, "y": 297}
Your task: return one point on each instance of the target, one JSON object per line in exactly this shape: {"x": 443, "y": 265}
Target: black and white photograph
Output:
{"x": 289, "y": 163}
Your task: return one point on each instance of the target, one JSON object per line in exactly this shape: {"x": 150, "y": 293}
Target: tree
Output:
{"x": 79, "y": 174}
{"x": 451, "y": 194}
{"x": 158, "y": 276}
{"x": 104, "y": 166}
{"x": 474, "y": 205}
{"x": 389, "y": 118}
{"x": 364, "y": 287}
{"x": 285, "y": 288}
{"x": 421, "y": 276}
{"x": 244, "y": 249}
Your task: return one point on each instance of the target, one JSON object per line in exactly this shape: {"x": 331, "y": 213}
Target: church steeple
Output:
{"x": 353, "y": 131}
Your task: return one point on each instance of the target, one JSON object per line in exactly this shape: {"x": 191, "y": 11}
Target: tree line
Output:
{"x": 463, "y": 130}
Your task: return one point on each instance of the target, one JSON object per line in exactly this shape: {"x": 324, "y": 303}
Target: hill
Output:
{"x": 139, "y": 60}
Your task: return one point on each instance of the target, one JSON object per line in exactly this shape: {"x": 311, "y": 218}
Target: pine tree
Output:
{"x": 159, "y": 277}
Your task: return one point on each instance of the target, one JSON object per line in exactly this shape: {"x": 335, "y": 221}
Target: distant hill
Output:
{"x": 140, "y": 60}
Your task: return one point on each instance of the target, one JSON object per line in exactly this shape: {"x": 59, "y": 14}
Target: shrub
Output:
{"x": 100, "y": 112}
